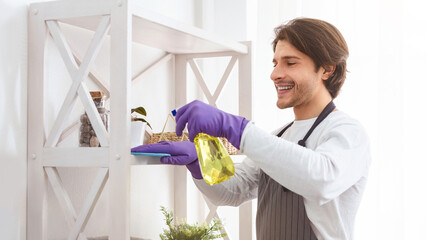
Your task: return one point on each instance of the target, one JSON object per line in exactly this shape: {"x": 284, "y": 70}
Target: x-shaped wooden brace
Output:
{"x": 104, "y": 86}
{"x": 77, "y": 223}
{"x": 212, "y": 98}
{"x": 214, "y": 214}
{"x": 78, "y": 88}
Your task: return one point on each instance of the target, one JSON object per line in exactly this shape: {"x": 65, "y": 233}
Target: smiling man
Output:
{"x": 310, "y": 174}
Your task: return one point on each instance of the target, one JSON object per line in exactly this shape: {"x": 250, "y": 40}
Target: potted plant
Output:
{"x": 139, "y": 133}
{"x": 184, "y": 231}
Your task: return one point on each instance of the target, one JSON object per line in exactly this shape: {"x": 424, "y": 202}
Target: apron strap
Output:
{"x": 326, "y": 111}
{"x": 284, "y": 129}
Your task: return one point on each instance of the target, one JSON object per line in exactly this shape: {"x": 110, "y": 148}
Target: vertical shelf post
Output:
{"x": 119, "y": 155}
{"x": 245, "y": 83}
{"x": 245, "y": 110}
{"x": 180, "y": 173}
{"x": 37, "y": 179}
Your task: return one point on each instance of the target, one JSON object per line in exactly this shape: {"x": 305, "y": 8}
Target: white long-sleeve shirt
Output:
{"x": 330, "y": 173}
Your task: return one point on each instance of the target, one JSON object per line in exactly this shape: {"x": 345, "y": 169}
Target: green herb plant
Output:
{"x": 183, "y": 231}
{"x": 141, "y": 111}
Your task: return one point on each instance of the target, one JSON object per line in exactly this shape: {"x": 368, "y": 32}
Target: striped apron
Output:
{"x": 281, "y": 213}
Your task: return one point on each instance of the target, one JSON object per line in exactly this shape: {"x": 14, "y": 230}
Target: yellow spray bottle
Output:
{"x": 215, "y": 162}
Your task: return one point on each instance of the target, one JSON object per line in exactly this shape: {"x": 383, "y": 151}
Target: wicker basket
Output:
{"x": 171, "y": 136}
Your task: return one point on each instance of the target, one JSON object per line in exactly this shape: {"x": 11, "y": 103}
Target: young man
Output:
{"x": 310, "y": 175}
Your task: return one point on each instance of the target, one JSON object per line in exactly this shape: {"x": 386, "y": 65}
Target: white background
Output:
{"x": 384, "y": 90}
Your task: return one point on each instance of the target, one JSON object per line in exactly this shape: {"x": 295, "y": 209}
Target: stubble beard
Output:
{"x": 299, "y": 97}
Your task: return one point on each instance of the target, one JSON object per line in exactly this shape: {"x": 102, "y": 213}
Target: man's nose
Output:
{"x": 278, "y": 73}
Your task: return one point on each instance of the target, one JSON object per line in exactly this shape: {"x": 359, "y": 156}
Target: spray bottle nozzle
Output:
{"x": 173, "y": 112}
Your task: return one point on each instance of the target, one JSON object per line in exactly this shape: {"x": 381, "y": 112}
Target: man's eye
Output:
{"x": 291, "y": 63}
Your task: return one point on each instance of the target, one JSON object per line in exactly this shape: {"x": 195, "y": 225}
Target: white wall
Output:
{"x": 13, "y": 118}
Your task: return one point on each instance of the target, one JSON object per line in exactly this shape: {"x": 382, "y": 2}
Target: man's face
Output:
{"x": 294, "y": 76}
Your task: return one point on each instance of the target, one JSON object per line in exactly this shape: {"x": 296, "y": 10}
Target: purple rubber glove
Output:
{"x": 182, "y": 153}
{"x": 202, "y": 117}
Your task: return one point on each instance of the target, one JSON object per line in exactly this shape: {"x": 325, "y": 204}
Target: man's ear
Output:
{"x": 328, "y": 71}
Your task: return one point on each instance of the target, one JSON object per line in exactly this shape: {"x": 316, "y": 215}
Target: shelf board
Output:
{"x": 88, "y": 157}
{"x": 144, "y": 160}
{"x": 97, "y": 157}
{"x": 76, "y": 157}
{"x": 148, "y": 160}
{"x": 154, "y": 30}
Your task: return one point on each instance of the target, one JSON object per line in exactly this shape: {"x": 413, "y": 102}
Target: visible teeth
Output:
{"x": 285, "y": 88}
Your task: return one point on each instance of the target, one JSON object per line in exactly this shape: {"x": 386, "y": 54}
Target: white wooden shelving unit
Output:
{"x": 126, "y": 22}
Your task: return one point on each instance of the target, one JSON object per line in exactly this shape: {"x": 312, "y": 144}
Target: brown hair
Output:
{"x": 322, "y": 42}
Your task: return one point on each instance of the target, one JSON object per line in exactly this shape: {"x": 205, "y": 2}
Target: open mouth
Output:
{"x": 284, "y": 88}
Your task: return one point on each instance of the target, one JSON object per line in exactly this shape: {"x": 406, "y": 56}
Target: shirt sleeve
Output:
{"x": 321, "y": 174}
{"x": 242, "y": 187}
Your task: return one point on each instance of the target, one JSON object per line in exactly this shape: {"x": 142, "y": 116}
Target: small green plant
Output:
{"x": 183, "y": 231}
{"x": 139, "y": 110}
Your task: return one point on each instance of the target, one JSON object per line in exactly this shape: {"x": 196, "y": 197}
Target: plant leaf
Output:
{"x": 181, "y": 230}
{"x": 142, "y": 120}
{"x": 139, "y": 110}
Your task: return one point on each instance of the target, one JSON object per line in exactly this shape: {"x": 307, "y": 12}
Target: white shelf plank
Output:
{"x": 52, "y": 10}
{"x": 154, "y": 30}
{"x": 97, "y": 157}
{"x": 149, "y": 160}
{"x": 175, "y": 37}
{"x": 144, "y": 160}
{"x": 76, "y": 157}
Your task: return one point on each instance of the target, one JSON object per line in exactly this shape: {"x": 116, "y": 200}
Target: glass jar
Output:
{"x": 87, "y": 136}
